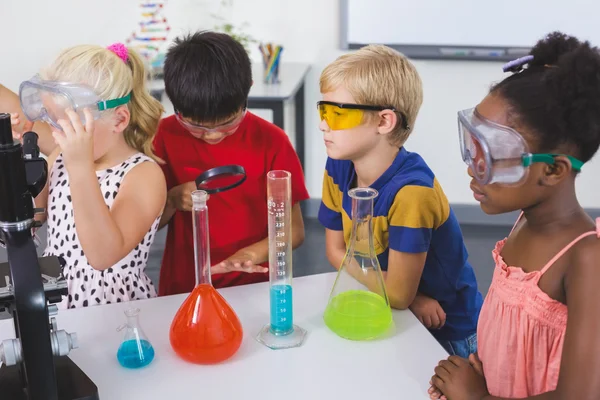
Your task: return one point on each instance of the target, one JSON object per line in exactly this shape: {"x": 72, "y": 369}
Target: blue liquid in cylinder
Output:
{"x": 135, "y": 354}
{"x": 281, "y": 309}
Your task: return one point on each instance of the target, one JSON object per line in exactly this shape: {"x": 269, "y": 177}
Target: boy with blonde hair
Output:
{"x": 371, "y": 99}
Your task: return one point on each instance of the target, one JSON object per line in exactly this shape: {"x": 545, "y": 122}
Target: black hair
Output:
{"x": 207, "y": 76}
{"x": 558, "y": 95}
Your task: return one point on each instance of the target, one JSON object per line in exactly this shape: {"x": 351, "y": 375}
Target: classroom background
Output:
{"x": 314, "y": 33}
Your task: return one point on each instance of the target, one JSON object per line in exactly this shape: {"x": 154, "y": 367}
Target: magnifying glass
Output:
{"x": 220, "y": 179}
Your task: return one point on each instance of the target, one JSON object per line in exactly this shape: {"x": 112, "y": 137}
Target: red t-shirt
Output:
{"x": 238, "y": 217}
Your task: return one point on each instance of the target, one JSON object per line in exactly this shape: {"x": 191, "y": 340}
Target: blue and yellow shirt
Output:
{"x": 412, "y": 215}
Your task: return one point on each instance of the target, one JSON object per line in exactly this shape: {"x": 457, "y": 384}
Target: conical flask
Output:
{"x": 359, "y": 308}
{"x": 205, "y": 329}
{"x": 135, "y": 350}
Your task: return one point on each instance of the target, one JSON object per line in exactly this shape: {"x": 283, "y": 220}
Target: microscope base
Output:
{"x": 73, "y": 383}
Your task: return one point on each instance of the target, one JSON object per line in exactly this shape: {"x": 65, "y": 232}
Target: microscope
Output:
{"x": 35, "y": 363}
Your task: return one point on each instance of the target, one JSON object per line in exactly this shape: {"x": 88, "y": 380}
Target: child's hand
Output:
{"x": 76, "y": 141}
{"x": 476, "y": 363}
{"x": 240, "y": 261}
{"x": 435, "y": 393}
{"x": 17, "y": 131}
{"x": 428, "y": 311}
{"x": 456, "y": 378}
{"x": 180, "y": 197}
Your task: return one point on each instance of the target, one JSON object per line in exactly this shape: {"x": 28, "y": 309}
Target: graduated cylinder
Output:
{"x": 280, "y": 333}
{"x": 280, "y": 250}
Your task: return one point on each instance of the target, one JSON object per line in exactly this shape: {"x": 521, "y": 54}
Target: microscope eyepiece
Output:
{"x": 5, "y": 130}
{"x": 30, "y": 145}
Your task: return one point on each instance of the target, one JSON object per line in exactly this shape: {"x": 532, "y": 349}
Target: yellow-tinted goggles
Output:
{"x": 340, "y": 116}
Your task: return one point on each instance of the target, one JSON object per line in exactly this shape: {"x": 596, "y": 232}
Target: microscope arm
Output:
{"x": 16, "y": 219}
{"x": 36, "y": 168}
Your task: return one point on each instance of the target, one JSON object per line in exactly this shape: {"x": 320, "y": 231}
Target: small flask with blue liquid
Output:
{"x": 135, "y": 350}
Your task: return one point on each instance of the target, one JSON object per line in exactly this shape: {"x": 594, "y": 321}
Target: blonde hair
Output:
{"x": 112, "y": 78}
{"x": 380, "y": 76}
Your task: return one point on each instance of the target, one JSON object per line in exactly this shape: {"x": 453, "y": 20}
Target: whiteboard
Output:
{"x": 469, "y": 29}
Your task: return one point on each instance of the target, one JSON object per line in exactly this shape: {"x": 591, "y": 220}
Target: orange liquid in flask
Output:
{"x": 206, "y": 330}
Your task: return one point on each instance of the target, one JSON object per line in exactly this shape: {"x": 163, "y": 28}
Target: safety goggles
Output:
{"x": 340, "y": 116}
{"x": 47, "y": 101}
{"x": 497, "y": 153}
{"x": 199, "y": 131}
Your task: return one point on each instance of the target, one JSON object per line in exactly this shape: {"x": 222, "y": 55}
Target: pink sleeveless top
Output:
{"x": 521, "y": 329}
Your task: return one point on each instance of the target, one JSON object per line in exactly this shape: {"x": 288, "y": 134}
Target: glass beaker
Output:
{"x": 205, "y": 329}
{"x": 281, "y": 333}
{"x": 359, "y": 308}
{"x": 135, "y": 351}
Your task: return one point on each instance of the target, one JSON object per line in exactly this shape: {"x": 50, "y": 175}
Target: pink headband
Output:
{"x": 120, "y": 50}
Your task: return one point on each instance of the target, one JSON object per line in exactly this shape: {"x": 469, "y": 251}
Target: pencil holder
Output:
{"x": 271, "y": 60}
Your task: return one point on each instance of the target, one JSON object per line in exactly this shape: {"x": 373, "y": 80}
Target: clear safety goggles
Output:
{"x": 199, "y": 131}
{"x": 47, "y": 101}
{"x": 341, "y": 116}
{"x": 497, "y": 153}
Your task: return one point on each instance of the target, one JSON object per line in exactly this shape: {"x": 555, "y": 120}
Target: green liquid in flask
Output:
{"x": 358, "y": 315}
{"x": 356, "y": 311}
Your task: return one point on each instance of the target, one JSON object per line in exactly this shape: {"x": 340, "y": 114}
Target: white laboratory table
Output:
{"x": 324, "y": 367}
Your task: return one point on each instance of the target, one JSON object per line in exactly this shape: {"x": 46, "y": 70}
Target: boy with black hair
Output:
{"x": 208, "y": 77}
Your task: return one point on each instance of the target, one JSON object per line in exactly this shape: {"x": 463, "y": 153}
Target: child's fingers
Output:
{"x": 442, "y": 317}
{"x": 217, "y": 269}
{"x": 186, "y": 203}
{"x": 75, "y": 121}
{"x": 59, "y": 138}
{"x": 435, "y": 321}
{"x": 28, "y": 126}
{"x": 89, "y": 120}
{"x": 67, "y": 128}
{"x": 457, "y": 360}
{"x": 222, "y": 267}
{"x": 476, "y": 363}
{"x": 259, "y": 268}
{"x": 250, "y": 267}
{"x": 435, "y": 393}
{"x": 427, "y": 321}
{"x": 442, "y": 372}
{"x": 437, "y": 381}
{"x": 14, "y": 121}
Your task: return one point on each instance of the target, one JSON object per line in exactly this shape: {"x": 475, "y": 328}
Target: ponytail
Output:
{"x": 144, "y": 109}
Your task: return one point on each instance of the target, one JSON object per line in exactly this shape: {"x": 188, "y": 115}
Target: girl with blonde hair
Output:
{"x": 105, "y": 191}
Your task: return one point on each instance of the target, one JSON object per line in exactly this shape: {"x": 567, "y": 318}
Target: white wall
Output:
{"x": 309, "y": 31}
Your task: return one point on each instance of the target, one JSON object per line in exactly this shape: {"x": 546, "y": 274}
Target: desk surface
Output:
{"x": 291, "y": 75}
{"x": 324, "y": 367}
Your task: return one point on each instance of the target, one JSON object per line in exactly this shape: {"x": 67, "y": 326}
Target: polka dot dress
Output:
{"x": 125, "y": 280}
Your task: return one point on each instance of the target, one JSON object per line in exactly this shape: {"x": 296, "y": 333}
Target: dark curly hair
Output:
{"x": 558, "y": 95}
{"x": 207, "y": 76}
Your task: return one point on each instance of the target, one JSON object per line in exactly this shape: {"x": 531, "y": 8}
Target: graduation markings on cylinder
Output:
{"x": 281, "y": 290}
